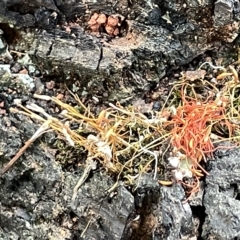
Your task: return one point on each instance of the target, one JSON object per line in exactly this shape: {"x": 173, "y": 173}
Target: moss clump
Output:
{"x": 195, "y": 117}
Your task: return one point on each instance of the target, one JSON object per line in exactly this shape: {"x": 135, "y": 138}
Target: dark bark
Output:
{"x": 153, "y": 35}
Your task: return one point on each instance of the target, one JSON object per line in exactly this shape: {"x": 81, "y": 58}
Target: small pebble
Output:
{"x": 177, "y": 175}
{"x": 22, "y": 214}
{"x": 39, "y": 86}
{"x": 16, "y": 67}
{"x": 174, "y": 161}
{"x": 156, "y": 106}
{"x": 155, "y": 16}
{"x": 60, "y": 96}
{"x": 50, "y": 85}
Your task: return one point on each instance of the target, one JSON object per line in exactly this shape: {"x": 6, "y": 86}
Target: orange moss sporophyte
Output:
{"x": 192, "y": 125}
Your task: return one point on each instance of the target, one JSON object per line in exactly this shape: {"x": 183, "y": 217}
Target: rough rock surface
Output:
{"x": 36, "y": 195}
{"x": 176, "y": 214}
{"x": 156, "y": 34}
{"x": 221, "y": 198}
{"x": 106, "y": 213}
{"x": 160, "y": 213}
{"x": 155, "y": 37}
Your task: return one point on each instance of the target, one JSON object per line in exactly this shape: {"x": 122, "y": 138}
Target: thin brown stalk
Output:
{"x": 37, "y": 134}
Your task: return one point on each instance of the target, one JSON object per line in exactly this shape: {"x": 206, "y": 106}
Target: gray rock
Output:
{"x": 223, "y": 12}
{"x": 221, "y": 198}
{"x": 176, "y": 215}
{"x": 160, "y": 213}
{"x": 99, "y": 210}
